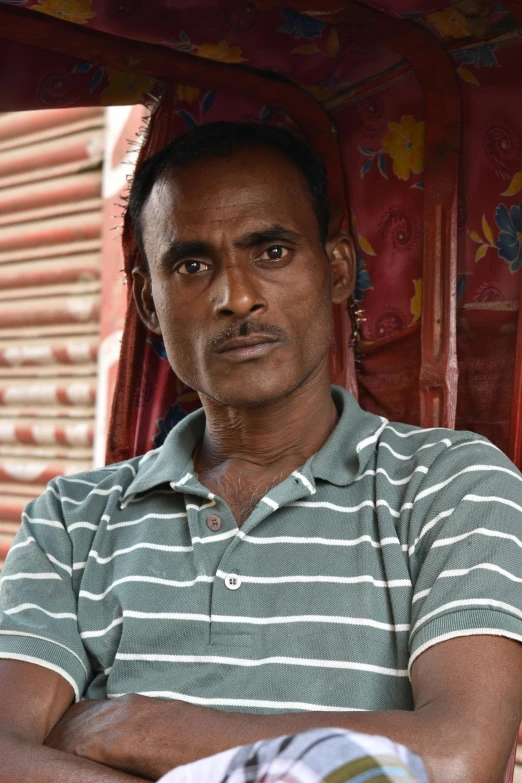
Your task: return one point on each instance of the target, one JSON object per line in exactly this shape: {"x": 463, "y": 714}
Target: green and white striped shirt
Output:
{"x": 388, "y": 540}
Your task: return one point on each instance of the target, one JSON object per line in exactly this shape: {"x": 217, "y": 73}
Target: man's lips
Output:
{"x": 242, "y": 343}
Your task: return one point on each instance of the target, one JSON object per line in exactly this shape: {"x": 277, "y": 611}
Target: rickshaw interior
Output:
{"x": 415, "y": 107}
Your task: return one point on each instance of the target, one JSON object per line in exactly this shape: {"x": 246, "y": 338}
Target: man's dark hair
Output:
{"x": 223, "y": 140}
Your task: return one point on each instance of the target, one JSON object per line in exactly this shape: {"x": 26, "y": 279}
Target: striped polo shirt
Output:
{"x": 135, "y": 579}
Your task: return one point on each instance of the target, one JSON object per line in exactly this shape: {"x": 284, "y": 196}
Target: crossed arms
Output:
{"x": 468, "y": 707}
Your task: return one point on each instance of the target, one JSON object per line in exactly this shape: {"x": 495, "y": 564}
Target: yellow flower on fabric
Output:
{"x": 78, "y": 11}
{"x": 404, "y": 142}
{"x": 186, "y": 93}
{"x": 221, "y": 52}
{"x": 449, "y": 23}
{"x": 416, "y": 301}
{"x": 125, "y": 88}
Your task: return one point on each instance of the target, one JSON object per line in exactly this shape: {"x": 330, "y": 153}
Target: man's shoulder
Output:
{"x": 101, "y": 481}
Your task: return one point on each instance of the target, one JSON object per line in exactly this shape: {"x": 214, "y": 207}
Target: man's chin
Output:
{"x": 249, "y": 394}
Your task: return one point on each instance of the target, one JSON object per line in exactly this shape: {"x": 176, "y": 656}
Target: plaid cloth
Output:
{"x": 316, "y": 756}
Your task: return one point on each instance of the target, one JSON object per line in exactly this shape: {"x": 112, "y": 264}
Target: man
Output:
{"x": 285, "y": 562}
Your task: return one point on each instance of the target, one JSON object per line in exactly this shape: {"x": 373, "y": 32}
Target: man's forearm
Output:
{"x": 23, "y": 761}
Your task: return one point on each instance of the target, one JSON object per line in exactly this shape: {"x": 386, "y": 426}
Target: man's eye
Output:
{"x": 274, "y": 253}
{"x": 192, "y": 267}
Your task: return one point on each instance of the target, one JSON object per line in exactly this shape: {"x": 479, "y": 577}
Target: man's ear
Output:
{"x": 341, "y": 254}
{"x": 142, "y": 292}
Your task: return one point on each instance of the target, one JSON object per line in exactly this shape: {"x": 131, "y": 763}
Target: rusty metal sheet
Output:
{"x": 50, "y": 279}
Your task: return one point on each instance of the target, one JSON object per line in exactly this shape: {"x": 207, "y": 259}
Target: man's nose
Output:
{"x": 239, "y": 294}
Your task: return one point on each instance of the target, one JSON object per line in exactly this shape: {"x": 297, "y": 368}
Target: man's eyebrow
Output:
{"x": 263, "y": 236}
{"x": 191, "y": 247}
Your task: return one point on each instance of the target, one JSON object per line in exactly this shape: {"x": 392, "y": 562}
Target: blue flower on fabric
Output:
{"x": 300, "y": 25}
{"x": 510, "y": 238}
{"x": 174, "y": 415}
{"x": 479, "y": 55}
{"x": 362, "y": 280}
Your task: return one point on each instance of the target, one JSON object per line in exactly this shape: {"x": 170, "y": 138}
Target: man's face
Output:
{"x": 240, "y": 286}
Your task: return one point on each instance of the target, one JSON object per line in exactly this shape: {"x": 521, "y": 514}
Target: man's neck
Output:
{"x": 278, "y": 436}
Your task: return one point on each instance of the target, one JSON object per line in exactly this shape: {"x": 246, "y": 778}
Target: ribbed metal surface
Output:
{"x": 50, "y": 239}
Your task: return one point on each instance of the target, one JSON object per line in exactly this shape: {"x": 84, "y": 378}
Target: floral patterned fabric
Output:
{"x": 377, "y": 107}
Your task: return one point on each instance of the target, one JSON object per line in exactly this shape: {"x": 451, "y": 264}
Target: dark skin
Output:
{"x": 267, "y": 412}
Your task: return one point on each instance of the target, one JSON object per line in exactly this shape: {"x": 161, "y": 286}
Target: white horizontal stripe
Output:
{"x": 131, "y": 522}
{"x": 27, "y": 541}
{"x": 79, "y": 566}
{"x": 267, "y": 540}
{"x": 282, "y": 620}
{"x": 148, "y": 455}
{"x": 56, "y": 615}
{"x": 106, "y": 491}
{"x": 492, "y": 499}
{"x": 468, "y": 469}
{"x": 65, "y": 499}
{"x": 475, "y": 443}
{"x": 311, "y": 489}
{"x": 372, "y": 438}
{"x": 215, "y": 537}
{"x": 351, "y": 509}
{"x": 88, "y": 525}
{"x": 428, "y": 526}
{"x": 79, "y": 481}
{"x": 419, "y": 431}
{"x": 41, "y": 521}
{"x": 262, "y": 703}
{"x": 143, "y": 545}
{"x": 53, "y": 491}
{"x": 480, "y": 566}
{"x": 43, "y": 576}
{"x": 344, "y": 580}
{"x": 482, "y": 531}
{"x": 148, "y": 579}
{"x": 40, "y": 662}
{"x": 56, "y": 562}
{"x": 270, "y": 502}
{"x": 182, "y": 481}
{"x": 405, "y": 457}
{"x": 103, "y": 631}
{"x": 489, "y": 602}
{"x": 457, "y": 634}
{"x": 119, "y": 466}
{"x": 420, "y": 594}
{"x": 200, "y": 508}
{"x": 275, "y": 659}
{"x": 384, "y": 445}
{"x": 394, "y": 482}
{"x": 45, "y": 639}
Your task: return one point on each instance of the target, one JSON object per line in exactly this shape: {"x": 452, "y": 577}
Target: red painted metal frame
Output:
{"x": 436, "y": 75}
{"x": 515, "y": 431}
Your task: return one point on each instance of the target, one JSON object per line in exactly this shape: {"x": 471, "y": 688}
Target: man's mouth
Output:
{"x": 251, "y": 347}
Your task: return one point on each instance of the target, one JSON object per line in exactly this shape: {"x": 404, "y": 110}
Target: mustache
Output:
{"x": 245, "y": 329}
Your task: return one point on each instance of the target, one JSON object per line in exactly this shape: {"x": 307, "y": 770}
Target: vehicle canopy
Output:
{"x": 415, "y": 108}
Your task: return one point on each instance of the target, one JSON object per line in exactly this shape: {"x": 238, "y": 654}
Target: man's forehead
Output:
{"x": 209, "y": 199}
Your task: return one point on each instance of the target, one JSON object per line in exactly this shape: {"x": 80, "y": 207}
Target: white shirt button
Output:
{"x": 232, "y": 581}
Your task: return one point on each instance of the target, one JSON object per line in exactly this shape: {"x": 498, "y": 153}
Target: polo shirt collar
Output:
{"x": 347, "y": 451}
{"x": 339, "y": 461}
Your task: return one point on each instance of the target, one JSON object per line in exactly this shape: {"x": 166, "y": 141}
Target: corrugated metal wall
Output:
{"x": 50, "y": 237}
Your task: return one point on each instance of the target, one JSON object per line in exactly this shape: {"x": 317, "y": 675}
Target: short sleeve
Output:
{"x": 465, "y": 547}
{"x": 38, "y": 606}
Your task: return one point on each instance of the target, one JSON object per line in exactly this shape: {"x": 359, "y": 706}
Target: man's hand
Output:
{"x": 136, "y": 734}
